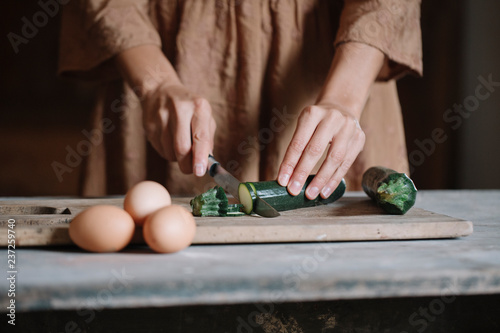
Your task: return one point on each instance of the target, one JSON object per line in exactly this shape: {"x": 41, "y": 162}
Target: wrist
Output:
{"x": 354, "y": 68}
{"x": 344, "y": 106}
{"x": 144, "y": 68}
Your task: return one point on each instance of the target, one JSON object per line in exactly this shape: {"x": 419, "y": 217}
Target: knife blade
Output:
{"x": 223, "y": 178}
{"x": 230, "y": 184}
{"x": 262, "y": 208}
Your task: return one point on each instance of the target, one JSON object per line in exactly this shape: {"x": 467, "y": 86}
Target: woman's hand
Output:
{"x": 178, "y": 123}
{"x": 334, "y": 120}
{"x": 180, "y": 126}
{"x": 317, "y": 127}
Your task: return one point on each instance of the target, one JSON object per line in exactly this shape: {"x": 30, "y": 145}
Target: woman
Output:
{"x": 275, "y": 89}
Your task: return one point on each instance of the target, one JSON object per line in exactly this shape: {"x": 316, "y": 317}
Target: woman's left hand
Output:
{"x": 317, "y": 127}
{"x": 332, "y": 120}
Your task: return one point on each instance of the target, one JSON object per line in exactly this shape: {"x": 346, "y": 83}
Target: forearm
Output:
{"x": 354, "y": 68}
{"x": 145, "y": 67}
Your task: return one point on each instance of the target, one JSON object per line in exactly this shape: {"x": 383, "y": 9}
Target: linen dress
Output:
{"x": 258, "y": 63}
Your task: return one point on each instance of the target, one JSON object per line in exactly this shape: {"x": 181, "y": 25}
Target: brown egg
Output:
{"x": 102, "y": 228}
{"x": 170, "y": 229}
{"x": 145, "y": 198}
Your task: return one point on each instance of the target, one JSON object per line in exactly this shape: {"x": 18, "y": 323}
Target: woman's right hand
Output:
{"x": 178, "y": 123}
{"x": 180, "y": 126}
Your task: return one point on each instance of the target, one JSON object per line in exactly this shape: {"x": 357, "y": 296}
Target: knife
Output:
{"x": 230, "y": 184}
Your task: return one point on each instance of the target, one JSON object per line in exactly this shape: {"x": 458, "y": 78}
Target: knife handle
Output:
{"x": 212, "y": 164}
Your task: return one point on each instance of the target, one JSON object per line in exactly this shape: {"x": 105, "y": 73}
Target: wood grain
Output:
{"x": 46, "y": 222}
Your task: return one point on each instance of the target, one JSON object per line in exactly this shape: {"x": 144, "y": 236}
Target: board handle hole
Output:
{"x": 32, "y": 210}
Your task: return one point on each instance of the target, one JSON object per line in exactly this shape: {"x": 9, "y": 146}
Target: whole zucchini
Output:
{"x": 278, "y": 197}
{"x": 394, "y": 192}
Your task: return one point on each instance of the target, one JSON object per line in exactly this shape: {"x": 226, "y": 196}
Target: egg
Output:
{"x": 102, "y": 228}
{"x": 170, "y": 229}
{"x": 145, "y": 198}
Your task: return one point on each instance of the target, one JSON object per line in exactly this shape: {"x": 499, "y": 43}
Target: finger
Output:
{"x": 306, "y": 125}
{"x": 311, "y": 155}
{"x": 167, "y": 144}
{"x": 180, "y": 125}
{"x": 164, "y": 140}
{"x": 152, "y": 123}
{"x": 336, "y": 155}
{"x": 202, "y": 136}
{"x": 355, "y": 147}
{"x": 154, "y": 135}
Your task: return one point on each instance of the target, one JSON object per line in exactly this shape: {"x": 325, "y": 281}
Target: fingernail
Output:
{"x": 295, "y": 188}
{"x": 312, "y": 192}
{"x": 283, "y": 180}
{"x": 326, "y": 192}
{"x": 199, "y": 169}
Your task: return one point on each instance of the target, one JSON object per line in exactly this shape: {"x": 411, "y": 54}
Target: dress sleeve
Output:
{"x": 392, "y": 26}
{"x": 93, "y": 31}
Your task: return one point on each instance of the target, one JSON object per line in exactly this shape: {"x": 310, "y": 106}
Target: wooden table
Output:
{"x": 363, "y": 286}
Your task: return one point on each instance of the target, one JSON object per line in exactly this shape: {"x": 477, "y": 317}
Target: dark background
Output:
{"x": 41, "y": 114}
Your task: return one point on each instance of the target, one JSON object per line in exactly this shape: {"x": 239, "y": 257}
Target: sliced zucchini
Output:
{"x": 214, "y": 203}
{"x": 394, "y": 192}
{"x": 235, "y": 214}
{"x": 234, "y": 208}
{"x": 278, "y": 197}
{"x": 247, "y": 195}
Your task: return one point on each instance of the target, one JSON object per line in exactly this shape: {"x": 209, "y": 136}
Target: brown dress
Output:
{"x": 258, "y": 62}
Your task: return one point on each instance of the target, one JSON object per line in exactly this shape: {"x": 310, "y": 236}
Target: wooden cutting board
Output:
{"x": 352, "y": 218}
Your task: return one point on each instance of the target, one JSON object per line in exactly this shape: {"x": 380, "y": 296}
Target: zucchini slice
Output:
{"x": 278, "y": 197}
{"x": 214, "y": 203}
{"x": 246, "y": 194}
{"x": 394, "y": 192}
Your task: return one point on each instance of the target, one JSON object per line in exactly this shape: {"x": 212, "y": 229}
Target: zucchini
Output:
{"x": 235, "y": 214}
{"x": 394, "y": 192}
{"x": 278, "y": 197}
{"x": 234, "y": 210}
{"x": 214, "y": 203}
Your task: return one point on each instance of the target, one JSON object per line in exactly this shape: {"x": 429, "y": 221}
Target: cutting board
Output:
{"x": 352, "y": 218}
